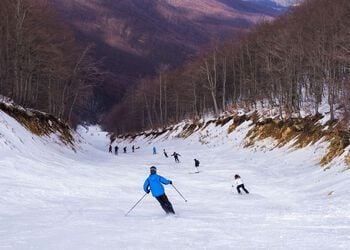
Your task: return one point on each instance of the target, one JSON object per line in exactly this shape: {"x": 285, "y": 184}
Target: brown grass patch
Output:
{"x": 208, "y": 123}
{"x": 304, "y": 131}
{"x": 339, "y": 140}
{"x": 189, "y": 129}
{"x": 40, "y": 124}
{"x": 347, "y": 161}
{"x": 223, "y": 120}
{"x": 238, "y": 120}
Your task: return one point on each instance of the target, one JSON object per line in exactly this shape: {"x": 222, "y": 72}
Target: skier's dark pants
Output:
{"x": 177, "y": 159}
{"x": 165, "y": 203}
{"x": 239, "y": 189}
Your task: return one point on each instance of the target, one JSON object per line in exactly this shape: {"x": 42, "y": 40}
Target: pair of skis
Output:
{"x": 197, "y": 172}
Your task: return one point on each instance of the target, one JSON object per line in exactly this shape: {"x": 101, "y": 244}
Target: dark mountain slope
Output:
{"x": 134, "y": 37}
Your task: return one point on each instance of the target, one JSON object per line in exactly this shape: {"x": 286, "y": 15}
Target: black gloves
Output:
{"x": 148, "y": 191}
{"x": 171, "y": 182}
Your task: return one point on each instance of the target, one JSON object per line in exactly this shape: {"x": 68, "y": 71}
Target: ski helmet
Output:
{"x": 153, "y": 170}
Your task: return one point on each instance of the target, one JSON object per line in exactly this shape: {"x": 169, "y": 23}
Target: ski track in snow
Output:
{"x": 52, "y": 198}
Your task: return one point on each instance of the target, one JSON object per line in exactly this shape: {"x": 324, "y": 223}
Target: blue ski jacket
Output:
{"x": 154, "y": 182}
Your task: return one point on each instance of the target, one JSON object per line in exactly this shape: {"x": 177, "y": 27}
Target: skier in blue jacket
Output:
{"x": 154, "y": 183}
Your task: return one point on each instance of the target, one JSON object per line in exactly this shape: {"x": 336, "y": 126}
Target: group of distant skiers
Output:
{"x": 116, "y": 149}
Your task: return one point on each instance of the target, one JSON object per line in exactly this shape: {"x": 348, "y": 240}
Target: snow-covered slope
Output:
{"x": 54, "y": 198}
{"x": 284, "y": 3}
{"x": 287, "y": 2}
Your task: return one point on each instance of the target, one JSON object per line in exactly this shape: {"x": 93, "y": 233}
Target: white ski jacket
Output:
{"x": 238, "y": 182}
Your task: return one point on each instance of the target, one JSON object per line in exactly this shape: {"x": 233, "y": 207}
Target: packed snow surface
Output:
{"x": 53, "y": 198}
{"x": 285, "y": 3}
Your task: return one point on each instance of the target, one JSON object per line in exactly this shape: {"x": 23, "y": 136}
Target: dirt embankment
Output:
{"x": 40, "y": 124}
{"x": 298, "y": 132}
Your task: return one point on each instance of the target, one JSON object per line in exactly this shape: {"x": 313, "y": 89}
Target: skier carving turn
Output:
{"x": 154, "y": 183}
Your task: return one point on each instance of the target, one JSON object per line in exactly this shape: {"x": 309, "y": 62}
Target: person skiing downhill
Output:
{"x": 133, "y": 148}
{"x": 196, "y": 164}
{"x": 165, "y": 153}
{"x": 116, "y": 148}
{"x": 176, "y": 157}
{"x": 124, "y": 150}
{"x": 154, "y": 150}
{"x": 110, "y": 148}
{"x": 239, "y": 184}
{"x": 154, "y": 183}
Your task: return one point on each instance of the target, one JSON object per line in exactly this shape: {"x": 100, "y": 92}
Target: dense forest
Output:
{"x": 41, "y": 64}
{"x": 301, "y": 57}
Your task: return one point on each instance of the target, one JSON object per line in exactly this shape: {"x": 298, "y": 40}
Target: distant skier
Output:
{"x": 154, "y": 150}
{"x": 165, "y": 153}
{"x": 110, "y": 148}
{"x": 176, "y": 157}
{"x": 239, "y": 184}
{"x": 124, "y": 150}
{"x": 154, "y": 183}
{"x": 133, "y": 148}
{"x": 196, "y": 164}
{"x": 116, "y": 148}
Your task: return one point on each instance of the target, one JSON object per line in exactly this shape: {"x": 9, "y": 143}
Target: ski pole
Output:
{"x": 179, "y": 193}
{"x": 136, "y": 204}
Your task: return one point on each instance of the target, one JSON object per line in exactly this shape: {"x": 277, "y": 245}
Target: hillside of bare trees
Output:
{"x": 42, "y": 66}
{"x": 301, "y": 57}
{"x": 49, "y": 49}
{"x": 134, "y": 37}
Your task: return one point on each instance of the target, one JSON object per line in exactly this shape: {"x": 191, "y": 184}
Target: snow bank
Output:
{"x": 264, "y": 132}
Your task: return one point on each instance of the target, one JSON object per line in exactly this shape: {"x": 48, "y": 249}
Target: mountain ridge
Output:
{"x": 136, "y": 37}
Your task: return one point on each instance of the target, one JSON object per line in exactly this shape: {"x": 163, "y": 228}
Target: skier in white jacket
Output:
{"x": 239, "y": 184}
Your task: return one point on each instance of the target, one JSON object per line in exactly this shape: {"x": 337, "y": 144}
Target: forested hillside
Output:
{"x": 136, "y": 38}
{"x": 75, "y": 59}
{"x": 42, "y": 65}
{"x": 292, "y": 64}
